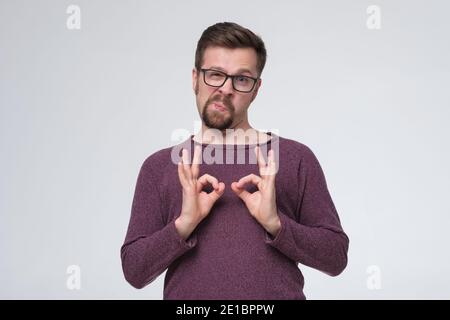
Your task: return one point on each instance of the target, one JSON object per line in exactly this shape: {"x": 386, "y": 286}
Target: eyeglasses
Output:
{"x": 215, "y": 78}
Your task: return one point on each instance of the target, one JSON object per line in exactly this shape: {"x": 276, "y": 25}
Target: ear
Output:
{"x": 194, "y": 78}
{"x": 255, "y": 92}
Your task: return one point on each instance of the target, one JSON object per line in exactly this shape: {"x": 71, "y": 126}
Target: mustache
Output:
{"x": 226, "y": 101}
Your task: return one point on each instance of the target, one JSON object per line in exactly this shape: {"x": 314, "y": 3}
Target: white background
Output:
{"x": 82, "y": 109}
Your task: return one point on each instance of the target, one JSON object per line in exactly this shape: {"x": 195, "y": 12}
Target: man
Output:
{"x": 223, "y": 226}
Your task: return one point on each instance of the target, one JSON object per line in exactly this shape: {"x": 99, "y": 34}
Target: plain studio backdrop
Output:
{"x": 366, "y": 88}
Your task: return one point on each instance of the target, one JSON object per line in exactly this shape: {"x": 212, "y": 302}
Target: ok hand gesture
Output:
{"x": 196, "y": 203}
{"x": 261, "y": 203}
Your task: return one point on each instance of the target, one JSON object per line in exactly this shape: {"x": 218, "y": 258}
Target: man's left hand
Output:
{"x": 261, "y": 203}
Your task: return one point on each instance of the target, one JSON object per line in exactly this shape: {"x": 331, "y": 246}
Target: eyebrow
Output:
{"x": 239, "y": 71}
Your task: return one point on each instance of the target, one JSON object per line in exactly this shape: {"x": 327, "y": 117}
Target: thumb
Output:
{"x": 241, "y": 192}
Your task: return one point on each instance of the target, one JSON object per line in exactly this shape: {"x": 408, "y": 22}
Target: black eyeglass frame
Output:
{"x": 226, "y": 78}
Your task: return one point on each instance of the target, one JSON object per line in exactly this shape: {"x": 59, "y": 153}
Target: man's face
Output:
{"x": 223, "y": 107}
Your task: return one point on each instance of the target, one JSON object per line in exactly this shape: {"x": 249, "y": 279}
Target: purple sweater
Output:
{"x": 229, "y": 255}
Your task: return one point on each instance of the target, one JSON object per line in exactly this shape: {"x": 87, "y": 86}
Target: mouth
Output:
{"x": 219, "y": 107}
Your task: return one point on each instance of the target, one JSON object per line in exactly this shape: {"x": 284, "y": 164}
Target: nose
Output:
{"x": 227, "y": 88}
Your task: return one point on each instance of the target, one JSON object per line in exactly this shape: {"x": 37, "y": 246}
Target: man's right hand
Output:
{"x": 196, "y": 203}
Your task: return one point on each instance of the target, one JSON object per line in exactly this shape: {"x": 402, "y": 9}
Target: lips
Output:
{"x": 219, "y": 107}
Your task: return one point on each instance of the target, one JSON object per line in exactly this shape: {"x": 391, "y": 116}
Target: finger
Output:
{"x": 241, "y": 192}
{"x": 196, "y": 162}
{"x": 186, "y": 165}
{"x": 251, "y": 178}
{"x": 217, "y": 193}
{"x": 270, "y": 158}
{"x": 271, "y": 164}
{"x": 181, "y": 175}
{"x": 206, "y": 178}
{"x": 259, "y": 157}
{"x": 260, "y": 160}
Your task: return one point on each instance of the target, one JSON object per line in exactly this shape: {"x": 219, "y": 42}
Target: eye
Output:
{"x": 242, "y": 79}
{"x": 215, "y": 75}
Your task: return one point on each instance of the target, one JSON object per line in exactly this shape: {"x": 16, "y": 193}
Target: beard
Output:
{"x": 216, "y": 119}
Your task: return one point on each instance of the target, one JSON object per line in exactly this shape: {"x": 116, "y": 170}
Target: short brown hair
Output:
{"x": 230, "y": 35}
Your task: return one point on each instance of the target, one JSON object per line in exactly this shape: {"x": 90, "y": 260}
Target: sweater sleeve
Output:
{"x": 317, "y": 239}
{"x": 151, "y": 245}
